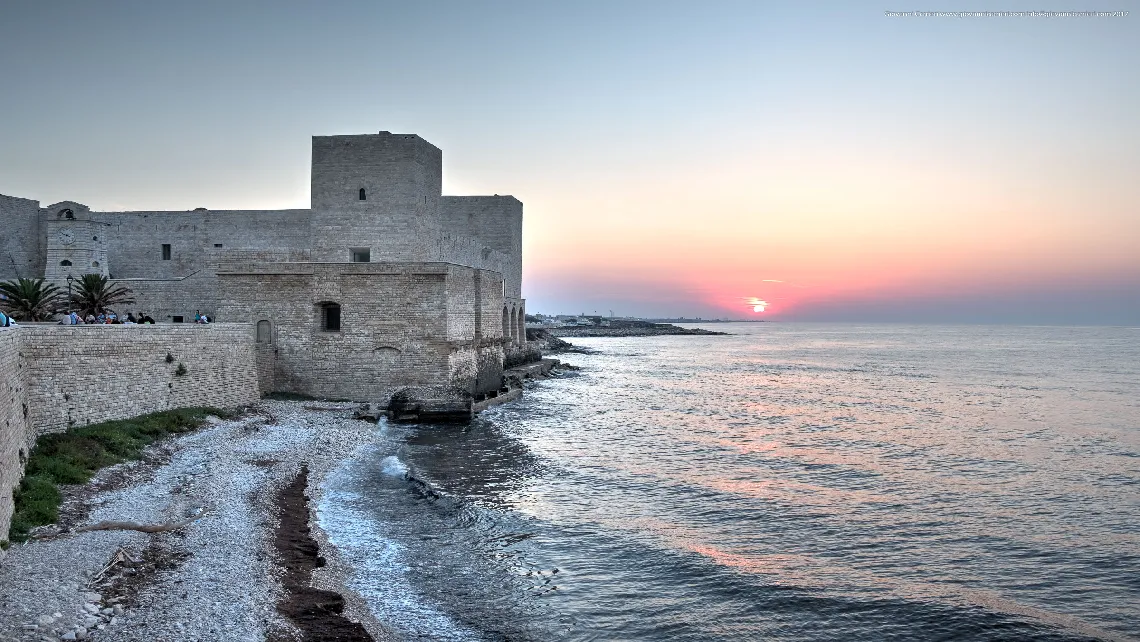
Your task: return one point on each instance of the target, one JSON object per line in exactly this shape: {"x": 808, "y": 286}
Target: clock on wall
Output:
{"x": 66, "y": 237}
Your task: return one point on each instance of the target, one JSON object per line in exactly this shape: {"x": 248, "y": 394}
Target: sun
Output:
{"x": 757, "y": 304}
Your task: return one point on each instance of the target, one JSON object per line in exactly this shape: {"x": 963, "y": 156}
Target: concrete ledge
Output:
{"x": 510, "y": 395}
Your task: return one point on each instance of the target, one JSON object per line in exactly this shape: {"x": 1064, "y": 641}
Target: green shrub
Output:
{"x": 74, "y": 456}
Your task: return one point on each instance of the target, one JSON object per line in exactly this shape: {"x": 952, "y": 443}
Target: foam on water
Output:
{"x": 393, "y": 467}
{"x": 380, "y": 568}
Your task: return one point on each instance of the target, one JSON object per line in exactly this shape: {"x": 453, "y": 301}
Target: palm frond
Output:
{"x": 30, "y": 299}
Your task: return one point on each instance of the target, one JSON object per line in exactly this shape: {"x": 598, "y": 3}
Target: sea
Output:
{"x": 785, "y": 482}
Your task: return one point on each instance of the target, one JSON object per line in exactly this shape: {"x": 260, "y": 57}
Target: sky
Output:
{"x": 714, "y": 159}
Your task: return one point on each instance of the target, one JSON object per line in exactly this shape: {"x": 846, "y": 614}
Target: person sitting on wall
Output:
{"x": 145, "y": 318}
{"x": 90, "y": 318}
{"x": 6, "y": 321}
{"x": 130, "y": 318}
{"x": 75, "y": 318}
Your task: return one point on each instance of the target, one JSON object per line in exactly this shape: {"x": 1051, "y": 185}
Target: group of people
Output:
{"x": 108, "y": 318}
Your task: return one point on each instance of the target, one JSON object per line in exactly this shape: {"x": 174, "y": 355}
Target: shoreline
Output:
{"x": 221, "y": 577}
{"x": 621, "y": 329}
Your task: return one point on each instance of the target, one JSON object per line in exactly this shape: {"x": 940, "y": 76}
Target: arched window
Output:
{"x": 65, "y": 263}
{"x": 330, "y": 317}
{"x": 363, "y": 196}
{"x": 264, "y": 331}
{"x": 506, "y": 325}
{"x": 94, "y": 264}
{"x": 66, "y": 213}
{"x": 521, "y": 327}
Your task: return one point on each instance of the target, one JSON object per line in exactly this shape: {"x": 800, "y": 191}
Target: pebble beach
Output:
{"x": 217, "y": 578}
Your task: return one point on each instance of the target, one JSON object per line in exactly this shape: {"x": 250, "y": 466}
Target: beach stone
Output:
{"x": 45, "y": 620}
{"x": 91, "y": 608}
{"x": 92, "y": 597}
{"x": 70, "y": 635}
{"x": 117, "y": 609}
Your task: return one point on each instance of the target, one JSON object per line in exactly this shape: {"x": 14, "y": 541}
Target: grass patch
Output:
{"x": 72, "y": 457}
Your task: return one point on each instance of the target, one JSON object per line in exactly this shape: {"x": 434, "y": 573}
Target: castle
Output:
{"x": 383, "y": 288}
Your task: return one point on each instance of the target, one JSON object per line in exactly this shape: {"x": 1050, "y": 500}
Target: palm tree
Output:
{"x": 95, "y": 295}
{"x": 29, "y": 299}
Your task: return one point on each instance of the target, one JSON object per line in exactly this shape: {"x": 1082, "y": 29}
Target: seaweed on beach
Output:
{"x": 73, "y": 457}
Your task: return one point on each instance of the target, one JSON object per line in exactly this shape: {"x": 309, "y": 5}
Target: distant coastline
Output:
{"x": 618, "y": 328}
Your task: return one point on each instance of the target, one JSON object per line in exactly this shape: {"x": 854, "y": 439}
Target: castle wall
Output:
{"x": 21, "y": 251}
{"x": 56, "y": 377}
{"x": 402, "y": 177}
{"x": 473, "y": 300}
{"x": 135, "y": 239}
{"x": 77, "y": 375}
{"x": 167, "y": 300}
{"x": 463, "y": 250}
{"x": 14, "y": 430}
{"x": 494, "y": 222}
{"x": 396, "y": 325}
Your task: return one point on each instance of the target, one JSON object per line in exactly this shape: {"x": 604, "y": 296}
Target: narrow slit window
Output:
{"x": 363, "y": 196}
{"x": 330, "y": 317}
{"x": 165, "y": 251}
{"x": 264, "y": 331}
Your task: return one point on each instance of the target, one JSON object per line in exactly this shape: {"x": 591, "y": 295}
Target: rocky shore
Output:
{"x": 245, "y": 489}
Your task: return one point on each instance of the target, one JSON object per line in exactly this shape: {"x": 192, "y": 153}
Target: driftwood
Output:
{"x": 121, "y": 556}
{"x": 136, "y": 526}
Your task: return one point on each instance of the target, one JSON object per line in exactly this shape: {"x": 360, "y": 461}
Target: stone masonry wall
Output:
{"x": 495, "y": 222}
{"x": 56, "y": 377}
{"x": 20, "y": 254}
{"x": 14, "y": 431}
{"x": 78, "y": 375}
{"x": 398, "y": 219}
{"x": 397, "y": 327}
{"x": 392, "y": 324}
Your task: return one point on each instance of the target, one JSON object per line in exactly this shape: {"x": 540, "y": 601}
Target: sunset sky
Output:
{"x": 674, "y": 158}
